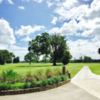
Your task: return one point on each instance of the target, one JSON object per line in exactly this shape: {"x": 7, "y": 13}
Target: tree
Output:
{"x": 52, "y": 46}
{"x": 87, "y": 59}
{"x": 16, "y": 60}
{"x": 59, "y": 46}
{"x": 30, "y": 57}
{"x": 2, "y": 62}
{"x": 99, "y": 50}
{"x": 34, "y": 47}
{"x": 45, "y": 45}
{"x": 5, "y": 56}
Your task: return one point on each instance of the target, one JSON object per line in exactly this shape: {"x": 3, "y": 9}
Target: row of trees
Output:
{"x": 85, "y": 59}
{"x": 53, "y": 47}
{"x": 7, "y": 57}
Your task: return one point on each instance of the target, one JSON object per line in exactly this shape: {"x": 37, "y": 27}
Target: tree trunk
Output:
{"x": 64, "y": 69}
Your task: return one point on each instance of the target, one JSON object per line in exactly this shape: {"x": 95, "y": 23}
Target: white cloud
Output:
{"x": 6, "y": 33}
{"x": 11, "y": 2}
{"x": 27, "y": 30}
{"x": 84, "y": 19}
{"x": 84, "y": 48}
{"x": 1, "y": 1}
{"x": 54, "y": 20}
{"x": 18, "y": 51}
{"x": 67, "y": 28}
{"x": 21, "y": 7}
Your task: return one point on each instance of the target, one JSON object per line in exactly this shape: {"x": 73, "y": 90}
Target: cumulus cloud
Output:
{"x": 81, "y": 20}
{"x": 6, "y": 33}
{"x": 54, "y": 20}
{"x": 84, "y": 48}
{"x": 27, "y": 30}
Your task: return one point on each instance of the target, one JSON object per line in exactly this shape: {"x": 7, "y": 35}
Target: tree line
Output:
{"x": 7, "y": 57}
{"x": 85, "y": 59}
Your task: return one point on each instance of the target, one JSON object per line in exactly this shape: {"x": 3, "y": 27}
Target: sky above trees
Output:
{"x": 78, "y": 20}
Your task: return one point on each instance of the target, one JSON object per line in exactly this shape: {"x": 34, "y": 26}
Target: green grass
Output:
{"x": 23, "y": 68}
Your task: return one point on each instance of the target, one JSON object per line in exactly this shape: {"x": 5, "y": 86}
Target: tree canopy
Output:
{"x": 53, "y": 46}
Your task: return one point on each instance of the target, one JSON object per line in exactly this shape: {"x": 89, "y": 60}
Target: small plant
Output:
{"x": 17, "y": 86}
{"x": 49, "y": 73}
{"x": 9, "y": 76}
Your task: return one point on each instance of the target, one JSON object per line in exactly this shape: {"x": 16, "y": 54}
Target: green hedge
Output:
{"x": 41, "y": 83}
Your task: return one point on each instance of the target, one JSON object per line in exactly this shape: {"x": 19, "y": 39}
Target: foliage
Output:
{"x": 16, "y": 60}
{"x": 9, "y": 76}
{"x": 58, "y": 44}
{"x": 66, "y": 57}
{"x": 40, "y": 83}
{"x": 45, "y": 45}
{"x": 99, "y": 50}
{"x": 6, "y": 56}
{"x": 53, "y": 46}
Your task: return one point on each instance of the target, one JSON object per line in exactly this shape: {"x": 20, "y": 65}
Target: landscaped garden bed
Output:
{"x": 13, "y": 83}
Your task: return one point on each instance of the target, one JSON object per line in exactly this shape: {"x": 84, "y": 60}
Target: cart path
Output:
{"x": 88, "y": 81}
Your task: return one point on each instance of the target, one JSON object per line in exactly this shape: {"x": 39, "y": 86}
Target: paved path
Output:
{"x": 88, "y": 81}
{"x": 65, "y": 92}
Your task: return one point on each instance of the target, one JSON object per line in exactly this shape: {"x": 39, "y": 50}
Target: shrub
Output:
{"x": 63, "y": 77}
{"x": 28, "y": 85}
{"x": 44, "y": 83}
{"x": 9, "y": 76}
{"x": 50, "y": 81}
{"x": 17, "y": 86}
{"x": 4, "y": 86}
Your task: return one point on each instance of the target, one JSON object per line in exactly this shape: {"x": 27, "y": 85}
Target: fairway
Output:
{"x": 23, "y": 68}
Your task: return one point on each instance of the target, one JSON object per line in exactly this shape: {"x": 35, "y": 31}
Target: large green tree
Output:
{"x": 48, "y": 45}
{"x": 59, "y": 47}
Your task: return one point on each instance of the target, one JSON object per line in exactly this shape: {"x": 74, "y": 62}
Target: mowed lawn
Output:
{"x": 23, "y": 68}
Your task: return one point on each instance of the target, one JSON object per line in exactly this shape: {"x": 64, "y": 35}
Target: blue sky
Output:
{"x": 78, "y": 20}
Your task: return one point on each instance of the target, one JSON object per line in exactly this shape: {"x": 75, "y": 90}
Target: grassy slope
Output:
{"x": 22, "y": 68}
